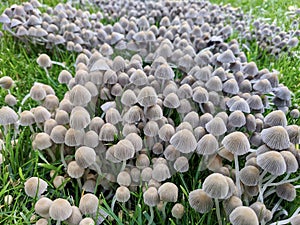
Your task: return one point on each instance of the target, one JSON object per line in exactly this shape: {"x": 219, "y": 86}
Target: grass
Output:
{"x": 18, "y": 60}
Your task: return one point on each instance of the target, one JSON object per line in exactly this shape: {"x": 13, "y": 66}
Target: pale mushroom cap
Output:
{"x": 151, "y": 197}
{"x": 216, "y": 186}
{"x": 75, "y": 217}
{"x": 168, "y": 192}
{"x": 74, "y": 170}
{"x": 80, "y": 96}
{"x": 88, "y": 204}
{"x": 237, "y": 143}
{"x": 161, "y": 172}
{"x": 7, "y": 116}
{"x": 42, "y": 207}
{"x": 87, "y": 221}
{"x": 207, "y": 145}
{"x": 286, "y": 191}
{"x": 200, "y": 201}
{"x": 60, "y": 209}
{"x": 178, "y": 211}
{"x": 276, "y": 118}
{"x": 184, "y": 141}
{"x": 249, "y": 175}
{"x": 243, "y": 215}
{"x": 35, "y": 186}
{"x": 147, "y": 97}
{"x": 42, "y": 141}
{"x": 181, "y": 164}
{"x": 124, "y": 150}
{"x": 276, "y": 137}
{"x": 85, "y": 156}
{"x": 122, "y": 194}
{"x": 44, "y": 61}
{"x": 273, "y": 162}
{"x": 216, "y": 126}
{"x": 124, "y": 179}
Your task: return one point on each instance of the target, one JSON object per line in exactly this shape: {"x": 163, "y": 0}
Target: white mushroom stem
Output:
{"x": 276, "y": 206}
{"x": 58, "y": 222}
{"x": 285, "y": 181}
{"x": 59, "y": 64}
{"x": 113, "y": 203}
{"x": 281, "y": 222}
{"x": 62, "y": 157}
{"x": 79, "y": 183}
{"x": 151, "y": 216}
{"x": 261, "y": 177}
{"x": 123, "y": 165}
{"x": 51, "y": 154}
{"x": 218, "y": 211}
{"x": 163, "y": 210}
{"x": 237, "y": 175}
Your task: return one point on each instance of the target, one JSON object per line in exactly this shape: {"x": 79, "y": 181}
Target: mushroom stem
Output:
{"x": 51, "y": 154}
{"x": 281, "y": 222}
{"x": 58, "y": 222}
{"x": 218, "y": 211}
{"x": 79, "y": 183}
{"x": 268, "y": 193}
{"x": 163, "y": 210}
{"x": 260, "y": 196}
{"x": 285, "y": 181}
{"x": 151, "y": 216}
{"x": 26, "y": 97}
{"x": 123, "y": 165}
{"x": 276, "y": 206}
{"x": 113, "y": 203}
{"x": 62, "y": 157}
{"x": 98, "y": 170}
{"x": 237, "y": 175}
{"x": 59, "y": 64}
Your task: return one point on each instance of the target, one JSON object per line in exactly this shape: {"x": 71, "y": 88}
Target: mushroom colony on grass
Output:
{"x": 158, "y": 92}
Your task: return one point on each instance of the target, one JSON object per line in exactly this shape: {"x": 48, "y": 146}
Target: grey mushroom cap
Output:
{"x": 276, "y": 137}
{"x": 243, "y": 215}
{"x": 60, "y": 209}
{"x": 216, "y": 126}
{"x": 273, "y": 162}
{"x": 184, "y": 141}
{"x": 200, "y": 201}
{"x": 207, "y": 145}
{"x": 168, "y": 192}
{"x": 151, "y": 197}
{"x": 216, "y": 186}
{"x": 286, "y": 191}
{"x": 122, "y": 194}
{"x": 88, "y": 204}
{"x": 85, "y": 156}
{"x": 237, "y": 143}
{"x": 8, "y": 116}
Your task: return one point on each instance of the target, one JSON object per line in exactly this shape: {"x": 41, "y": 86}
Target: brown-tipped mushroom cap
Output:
{"x": 168, "y": 192}
{"x": 60, "y": 209}
{"x": 231, "y": 203}
{"x": 200, "y": 201}
{"x": 177, "y": 211}
{"x": 108, "y": 132}
{"x": 6, "y": 82}
{"x": 243, "y": 215}
{"x": 80, "y": 96}
{"x": 276, "y": 118}
{"x": 74, "y": 170}
{"x": 166, "y": 132}
{"x": 80, "y": 118}
{"x": 286, "y": 191}
{"x": 216, "y": 126}
{"x": 237, "y": 143}
{"x": 124, "y": 179}
{"x": 151, "y": 197}
{"x": 249, "y": 175}
{"x": 35, "y": 186}
{"x": 124, "y": 150}
{"x": 276, "y": 137}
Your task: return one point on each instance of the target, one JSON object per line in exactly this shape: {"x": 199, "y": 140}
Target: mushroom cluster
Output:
{"x": 161, "y": 89}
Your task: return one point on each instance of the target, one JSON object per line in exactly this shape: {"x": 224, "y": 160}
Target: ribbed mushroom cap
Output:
{"x": 122, "y": 194}
{"x": 151, "y": 129}
{"x": 184, "y": 141}
{"x": 231, "y": 203}
{"x": 250, "y": 68}
{"x": 8, "y": 116}
{"x": 85, "y": 156}
{"x": 171, "y": 101}
{"x": 91, "y": 139}
{"x": 249, "y": 175}
{"x": 80, "y": 118}
{"x": 240, "y": 105}
{"x": 74, "y": 137}
{"x": 216, "y": 186}
{"x": 276, "y": 137}
{"x": 142, "y": 161}
{"x": 35, "y": 186}
{"x": 88, "y": 204}
{"x": 230, "y": 86}
{"x": 42, "y": 141}
{"x": 74, "y": 170}
{"x": 294, "y": 113}
{"x": 290, "y": 161}
{"x": 147, "y": 96}
{"x": 286, "y": 191}
{"x": 181, "y": 164}
{"x": 259, "y": 209}
{"x": 60, "y": 209}
{"x": 177, "y": 211}
{"x": 214, "y": 84}
{"x": 237, "y": 119}
{"x": 192, "y": 118}
{"x": 255, "y": 102}
{"x": 124, "y": 179}
{"x": 170, "y": 153}
{"x": 164, "y": 72}
{"x": 216, "y": 126}
{"x": 276, "y": 118}
{"x": 207, "y": 145}
{"x": 42, "y": 206}
{"x": 273, "y": 162}
{"x": 200, "y": 201}
{"x": 128, "y": 98}
{"x": 62, "y": 117}
{"x": 200, "y": 95}
{"x": 139, "y": 78}
{"x": 146, "y": 174}
{"x": 26, "y": 118}
{"x": 237, "y": 143}
{"x": 263, "y": 86}
{"x": 112, "y": 116}
{"x": 42, "y": 221}
{"x": 64, "y": 77}
{"x": 154, "y": 112}
{"x": 44, "y": 61}
{"x": 243, "y": 215}
{"x": 37, "y": 92}
{"x": 75, "y": 217}
{"x": 168, "y": 192}
{"x": 124, "y": 150}
{"x": 135, "y": 140}
{"x": 151, "y": 197}
{"x": 166, "y": 132}
{"x": 108, "y": 132}
{"x": 80, "y": 96}
{"x": 161, "y": 172}
{"x": 294, "y": 133}
{"x": 58, "y": 134}
{"x": 87, "y": 221}
{"x": 184, "y": 125}
{"x": 226, "y": 57}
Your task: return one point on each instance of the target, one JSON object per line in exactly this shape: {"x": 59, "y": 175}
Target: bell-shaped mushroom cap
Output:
{"x": 178, "y": 211}
{"x": 216, "y": 126}
{"x": 164, "y": 72}
{"x": 122, "y": 194}
{"x": 74, "y": 170}
{"x": 124, "y": 150}
{"x": 6, "y": 82}
{"x": 91, "y": 139}
{"x": 230, "y": 86}
{"x": 255, "y": 102}
{"x": 171, "y": 101}
{"x": 237, "y": 119}
{"x": 58, "y": 134}
{"x": 8, "y": 116}
{"x": 184, "y": 141}
{"x": 290, "y": 161}
{"x": 192, "y": 118}
{"x": 60, "y": 209}
{"x": 62, "y": 117}
{"x": 75, "y": 217}
{"x": 263, "y": 86}
{"x": 276, "y": 118}
{"x": 161, "y": 172}
{"x": 26, "y": 118}
{"x": 154, "y": 112}
{"x": 273, "y": 162}
{"x": 207, "y": 145}
{"x": 200, "y": 201}
{"x": 295, "y": 220}
{"x": 231, "y": 203}
{"x": 216, "y": 186}
{"x": 249, "y": 175}
{"x": 250, "y": 68}
{"x": 276, "y": 137}
{"x": 108, "y": 132}
{"x": 214, "y": 84}
{"x": 87, "y": 221}
{"x": 42, "y": 141}
{"x": 44, "y": 61}
{"x": 147, "y": 96}
{"x": 184, "y": 125}
{"x": 64, "y": 77}
{"x": 151, "y": 197}
{"x": 151, "y": 129}
{"x": 260, "y": 210}
{"x": 88, "y": 204}
{"x": 240, "y": 105}
{"x": 42, "y": 221}
{"x": 168, "y": 192}
{"x": 35, "y": 186}
{"x": 181, "y": 164}
{"x": 286, "y": 191}
{"x": 112, "y": 116}
{"x": 166, "y": 132}
{"x": 74, "y": 137}
{"x": 294, "y": 133}
{"x": 42, "y": 206}
{"x": 200, "y": 95}
{"x": 243, "y": 215}
{"x": 226, "y": 57}
{"x": 124, "y": 179}
{"x": 139, "y": 78}
{"x": 135, "y": 140}
{"x": 37, "y": 92}
{"x": 237, "y": 143}
{"x": 80, "y": 96}
{"x": 80, "y": 118}
{"x": 128, "y": 98}
{"x": 85, "y": 156}
{"x": 294, "y": 113}
{"x": 142, "y": 161}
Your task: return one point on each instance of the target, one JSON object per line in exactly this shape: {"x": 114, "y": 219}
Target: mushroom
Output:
{"x": 35, "y": 186}
{"x": 243, "y": 215}
{"x": 60, "y": 210}
{"x": 168, "y": 192}
{"x": 178, "y": 211}
{"x": 200, "y": 201}
{"x": 42, "y": 207}
{"x": 88, "y": 204}
{"x": 151, "y": 199}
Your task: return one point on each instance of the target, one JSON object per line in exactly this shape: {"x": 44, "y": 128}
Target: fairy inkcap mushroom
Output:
{"x": 42, "y": 207}
{"x": 184, "y": 141}
{"x": 207, "y": 145}
{"x": 122, "y": 194}
{"x": 200, "y": 201}
{"x": 75, "y": 217}
{"x": 161, "y": 172}
{"x": 168, "y": 192}
{"x": 60, "y": 210}
{"x": 276, "y": 137}
{"x": 88, "y": 204}
{"x": 243, "y": 215}
{"x": 216, "y": 126}
{"x": 178, "y": 211}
